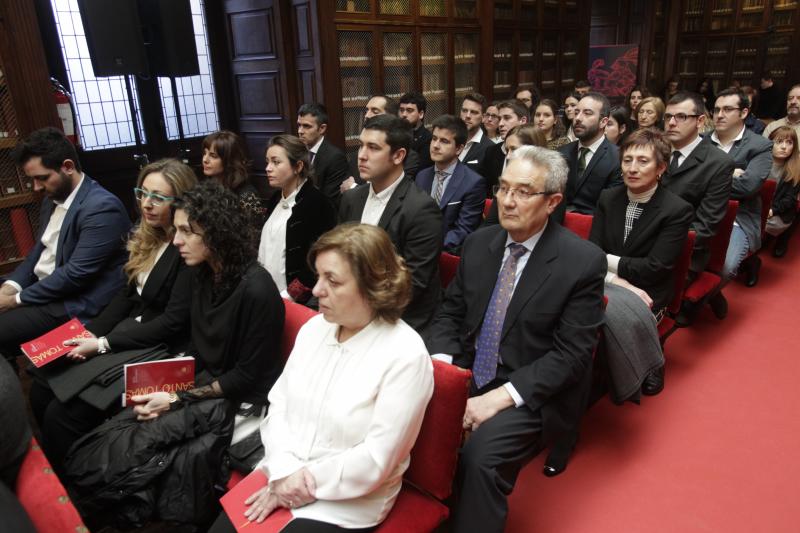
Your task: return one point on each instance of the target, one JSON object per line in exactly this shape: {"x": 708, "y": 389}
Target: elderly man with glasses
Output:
{"x": 700, "y": 174}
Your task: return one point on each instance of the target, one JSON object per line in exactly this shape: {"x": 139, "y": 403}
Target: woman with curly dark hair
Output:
{"x": 236, "y": 312}
{"x": 225, "y": 159}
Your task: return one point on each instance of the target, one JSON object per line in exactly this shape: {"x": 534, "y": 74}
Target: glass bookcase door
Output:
{"x": 394, "y": 7}
{"x": 689, "y": 62}
{"x": 398, "y": 64}
{"x": 723, "y": 15}
{"x": 745, "y": 59}
{"x": 502, "y": 66}
{"x": 569, "y": 63}
{"x": 784, "y": 13}
{"x": 777, "y": 58}
{"x": 527, "y": 60}
{"x": 504, "y": 9}
{"x": 751, "y": 14}
{"x": 433, "y": 54}
{"x": 466, "y": 9}
{"x": 550, "y": 12}
{"x": 353, "y": 6}
{"x": 465, "y": 57}
{"x": 529, "y": 10}
{"x": 549, "y": 64}
{"x": 432, "y": 8}
{"x": 693, "y": 12}
{"x": 355, "y": 64}
{"x": 718, "y": 54}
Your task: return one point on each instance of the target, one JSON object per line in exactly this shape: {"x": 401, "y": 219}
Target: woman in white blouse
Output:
{"x": 347, "y": 409}
{"x": 298, "y": 213}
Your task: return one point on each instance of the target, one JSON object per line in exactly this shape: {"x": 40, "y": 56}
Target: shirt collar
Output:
{"x": 449, "y": 170}
{"x": 595, "y": 145}
{"x": 477, "y": 137}
{"x": 689, "y": 148}
{"x": 293, "y": 195}
{"x": 531, "y": 242}
{"x": 71, "y": 198}
{"x": 314, "y": 149}
{"x": 737, "y": 138}
{"x": 385, "y": 194}
{"x": 355, "y": 343}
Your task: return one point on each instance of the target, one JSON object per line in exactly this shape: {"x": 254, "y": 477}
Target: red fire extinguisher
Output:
{"x": 64, "y": 106}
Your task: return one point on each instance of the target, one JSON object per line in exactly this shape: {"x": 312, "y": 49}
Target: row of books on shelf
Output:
{"x": 13, "y": 183}
{"x": 432, "y": 82}
{"x": 16, "y": 234}
{"x": 355, "y": 47}
{"x": 356, "y": 87}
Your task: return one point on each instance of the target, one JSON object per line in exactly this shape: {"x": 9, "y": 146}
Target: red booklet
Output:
{"x": 166, "y": 375}
{"x": 233, "y": 503}
{"x": 50, "y": 346}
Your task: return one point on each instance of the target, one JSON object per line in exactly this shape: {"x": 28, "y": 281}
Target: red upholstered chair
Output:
{"x": 667, "y": 325}
{"x": 296, "y": 316}
{"x": 487, "y": 205}
{"x": 707, "y": 282}
{"x": 448, "y": 264}
{"x": 43, "y": 496}
{"x": 579, "y": 224}
{"x": 434, "y": 457}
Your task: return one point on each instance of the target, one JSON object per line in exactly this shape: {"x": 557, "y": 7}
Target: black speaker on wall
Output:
{"x": 154, "y": 37}
{"x": 114, "y": 37}
{"x": 169, "y": 37}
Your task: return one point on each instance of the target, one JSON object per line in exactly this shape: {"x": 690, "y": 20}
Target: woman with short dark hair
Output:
{"x": 357, "y": 366}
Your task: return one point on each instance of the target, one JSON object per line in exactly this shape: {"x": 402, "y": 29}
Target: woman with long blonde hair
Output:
{"x": 786, "y": 170}
{"x": 152, "y": 309}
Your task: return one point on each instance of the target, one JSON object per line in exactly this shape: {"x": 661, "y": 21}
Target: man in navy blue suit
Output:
{"x": 459, "y": 191}
{"x": 75, "y": 267}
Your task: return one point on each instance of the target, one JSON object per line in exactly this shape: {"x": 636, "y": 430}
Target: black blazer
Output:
{"x": 784, "y": 203}
{"x": 475, "y": 154}
{"x": 550, "y": 327}
{"x": 414, "y": 223}
{"x": 329, "y": 170}
{"x": 654, "y": 244}
{"x": 163, "y": 305}
{"x": 491, "y": 166}
{"x": 703, "y": 180}
{"x": 312, "y": 215}
{"x": 421, "y": 144}
{"x": 602, "y": 172}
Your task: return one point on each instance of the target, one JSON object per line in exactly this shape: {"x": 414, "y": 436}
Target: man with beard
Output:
{"x": 792, "y": 117}
{"x": 75, "y": 267}
{"x": 593, "y": 161}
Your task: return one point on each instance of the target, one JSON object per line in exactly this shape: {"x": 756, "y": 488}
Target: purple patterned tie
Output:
{"x": 484, "y": 368}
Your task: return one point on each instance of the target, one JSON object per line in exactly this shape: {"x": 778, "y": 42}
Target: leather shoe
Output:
{"x": 719, "y": 305}
{"x": 781, "y": 244}
{"x": 654, "y": 382}
{"x": 687, "y": 314}
{"x": 753, "y": 268}
{"x": 554, "y": 465}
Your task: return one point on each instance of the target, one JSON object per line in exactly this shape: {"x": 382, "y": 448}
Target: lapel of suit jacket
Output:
{"x": 158, "y": 275}
{"x": 697, "y": 156}
{"x": 535, "y": 274}
{"x": 66, "y": 226}
{"x": 426, "y": 180}
{"x": 454, "y": 185}
{"x": 488, "y": 270}
{"x": 601, "y": 153}
{"x": 355, "y": 203}
{"x": 650, "y": 212}
{"x": 395, "y": 203}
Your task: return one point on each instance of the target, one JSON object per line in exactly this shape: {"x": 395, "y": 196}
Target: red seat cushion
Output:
{"x": 448, "y": 264}
{"x": 414, "y": 511}
{"x": 579, "y": 224}
{"x": 296, "y": 316}
{"x": 435, "y": 454}
{"x": 236, "y": 477}
{"x": 702, "y": 286}
{"x": 43, "y": 496}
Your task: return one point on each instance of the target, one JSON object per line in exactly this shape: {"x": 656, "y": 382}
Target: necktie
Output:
{"x": 673, "y": 165}
{"x": 582, "y": 160}
{"x": 313, "y": 155}
{"x": 440, "y": 177}
{"x": 484, "y": 369}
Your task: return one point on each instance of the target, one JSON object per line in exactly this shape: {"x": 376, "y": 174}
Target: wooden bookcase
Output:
{"x": 26, "y": 103}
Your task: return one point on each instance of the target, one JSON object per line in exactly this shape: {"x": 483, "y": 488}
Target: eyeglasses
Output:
{"x": 155, "y": 199}
{"x": 679, "y": 117}
{"x": 491, "y": 116}
{"x": 727, "y": 110}
{"x": 519, "y": 194}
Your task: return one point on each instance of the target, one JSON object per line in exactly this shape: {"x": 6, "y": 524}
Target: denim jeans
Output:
{"x": 738, "y": 247}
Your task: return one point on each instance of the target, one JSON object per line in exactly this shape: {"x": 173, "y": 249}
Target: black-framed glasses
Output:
{"x": 519, "y": 194}
{"x": 679, "y": 117}
{"x": 156, "y": 199}
{"x": 727, "y": 110}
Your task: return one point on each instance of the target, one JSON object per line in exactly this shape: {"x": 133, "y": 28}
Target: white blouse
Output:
{"x": 272, "y": 248}
{"x": 350, "y": 412}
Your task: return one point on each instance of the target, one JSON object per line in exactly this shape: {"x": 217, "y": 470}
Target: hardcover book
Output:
{"x": 166, "y": 375}
{"x": 233, "y": 503}
{"x": 50, "y": 346}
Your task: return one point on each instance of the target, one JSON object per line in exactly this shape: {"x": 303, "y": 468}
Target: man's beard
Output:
{"x": 64, "y": 188}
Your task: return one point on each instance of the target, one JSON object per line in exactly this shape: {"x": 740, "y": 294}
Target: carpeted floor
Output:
{"x": 717, "y": 451}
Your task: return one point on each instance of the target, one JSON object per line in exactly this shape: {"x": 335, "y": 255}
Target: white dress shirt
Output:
{"x": 592, "y": 148}
{"x": 727, "y": 147}
{"x": 687, "y": 150}
{"x": 272, "y": 248}
{"x": 376, "y": 202}
{"x": 350, "y": 412}
{"x": 529, "y": 245}
{"x": 476, "y": 139}
{"x": 47, "y": 259}
{"x": 314, "y": 149}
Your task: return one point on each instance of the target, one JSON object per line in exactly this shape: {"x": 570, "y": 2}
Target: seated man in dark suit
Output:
{"x": 328, "y": 162}
{"x": 459, "y": 192}
{"x": 752, "y": 157}
{"x": 512, "y": 114}
{"x": 75, "y": 267}
{"x": 593, "y": 161}
{"x": 522, "y": 313}
{"x": 472, "y": 109}
{"x": 380, "y": 104}
{"x": 412, "y": 109}
{"x": 701, "y": 175}
{"x": 391, "y": 200}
